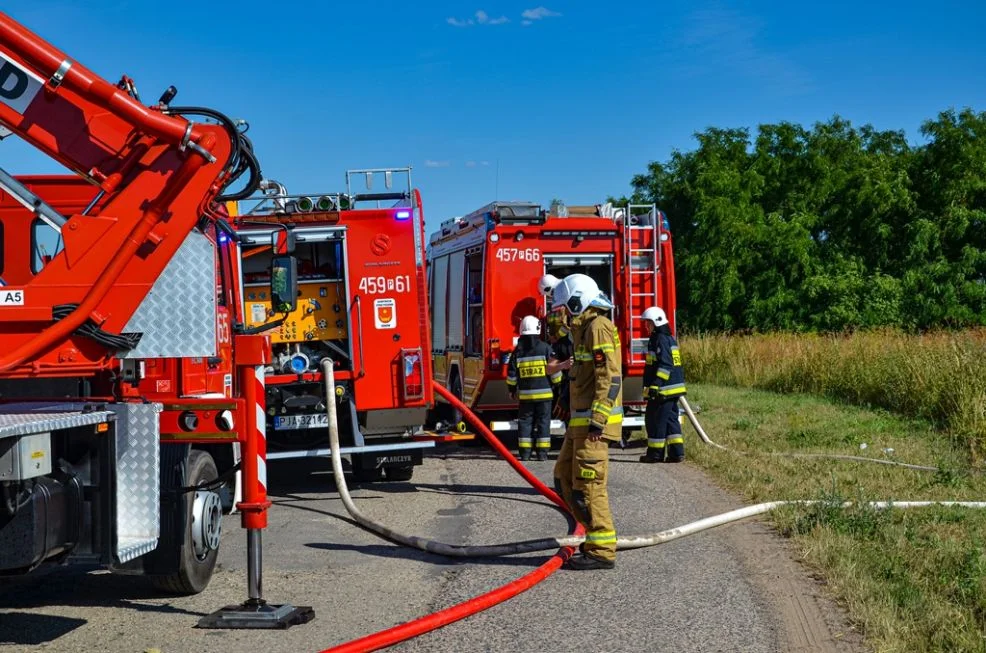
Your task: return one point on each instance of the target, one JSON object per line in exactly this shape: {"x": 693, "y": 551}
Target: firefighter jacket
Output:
{"x": 563, "y": 350}
{"x": 527, "y": 371}
{"x": 596, "y": 378}
{"x": 664, "y": 377}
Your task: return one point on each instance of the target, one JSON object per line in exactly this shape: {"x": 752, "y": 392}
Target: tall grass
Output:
{"x": 939, "y": 377}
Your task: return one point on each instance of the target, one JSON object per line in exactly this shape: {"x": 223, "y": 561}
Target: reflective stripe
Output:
{"x": 676, "y": 440}
{"x": 544, "y": 444}
{"x": 606, "y": 348}
{"x": 655, "y": 443}
{"x": 601, "y": 537}
{"x": 672, "y": 390}
{"x": 556, "y": 377}
{"x": 663, "y": 373}
{"x": 527, "y": 360}
{"x": 651, "y": 358}
{"x": 536, "y": 396}
{"x": 655, "y": 388}
{"x": 524, "y": 444}
{"x": 580, "y": 418}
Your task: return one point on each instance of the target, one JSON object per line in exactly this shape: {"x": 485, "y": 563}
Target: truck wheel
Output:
{"x": 402, "y": 473}
{"x": 203, "y": 528}
{"x": 365, "y": 474}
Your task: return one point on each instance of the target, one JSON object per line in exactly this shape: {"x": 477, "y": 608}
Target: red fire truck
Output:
{"x": 124, "y": 378}
{"x": 483, "y": 279}
{"x": 362, "y": 303}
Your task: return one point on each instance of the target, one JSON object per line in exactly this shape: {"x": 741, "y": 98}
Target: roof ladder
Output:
{"x": 642, "y": 240}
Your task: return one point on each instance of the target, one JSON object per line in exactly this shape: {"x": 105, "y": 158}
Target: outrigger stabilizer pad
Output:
{"x": 257, "y": 614}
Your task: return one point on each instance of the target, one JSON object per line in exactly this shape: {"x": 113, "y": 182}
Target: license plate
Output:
{"x": 289, "y": 422}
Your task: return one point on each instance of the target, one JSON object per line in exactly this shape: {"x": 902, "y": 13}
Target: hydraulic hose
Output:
{"x": 435, "y": 620}
{"x": 241, "y": 157}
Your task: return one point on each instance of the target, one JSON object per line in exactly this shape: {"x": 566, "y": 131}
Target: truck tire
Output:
{"x": 363, "y": 474}
{"x": 398, "y": 474}
{"x": 195, "y": 569}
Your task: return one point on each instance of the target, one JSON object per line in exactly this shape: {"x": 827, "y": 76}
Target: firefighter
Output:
{"x": 561, "y": 344}
{"x": 530, "y": 381}
{"x": 596, "y": 404}
{"x": 664, "y": 383}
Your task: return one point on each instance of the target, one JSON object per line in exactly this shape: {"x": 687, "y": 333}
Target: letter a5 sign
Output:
{"x": 17, "y": 85}
{"x": 385, "y": 313}
{"x": 11, "y": 297}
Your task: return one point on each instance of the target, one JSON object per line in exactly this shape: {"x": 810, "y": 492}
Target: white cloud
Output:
{"x": 431, "y": 163}
{"x": 479, "y": 18}
{"x": 538, "y": 13}
{"x": 525, "y": 23}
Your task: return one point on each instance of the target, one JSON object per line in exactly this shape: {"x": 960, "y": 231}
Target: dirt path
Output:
{"x": 735, "y": 588}
{"x": 808, "y": 618}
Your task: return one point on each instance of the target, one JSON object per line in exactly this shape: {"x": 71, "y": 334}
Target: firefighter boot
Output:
{"x": 676, "y": 449}
{"x": 525, "y": 454}
{"x": 542, "y": 454}
{"x": 585, "y": 561}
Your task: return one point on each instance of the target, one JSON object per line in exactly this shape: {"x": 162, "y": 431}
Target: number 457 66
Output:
{"x": 510, "y": 254}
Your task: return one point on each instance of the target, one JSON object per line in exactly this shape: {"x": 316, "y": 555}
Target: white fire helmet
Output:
{"x": 547, "y": 283}
{"x": 530, "y": 326}
{"x": 576, "y": 293}
{"x": 655, "y": 315}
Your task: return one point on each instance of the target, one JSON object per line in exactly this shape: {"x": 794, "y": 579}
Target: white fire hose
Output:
{"x": 835, "y": 456}
{"x": 544, "y": 544}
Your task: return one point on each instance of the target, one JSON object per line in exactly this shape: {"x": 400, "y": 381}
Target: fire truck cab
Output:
{"x": 361, "y": 304}
{"x": 483, "y": 279}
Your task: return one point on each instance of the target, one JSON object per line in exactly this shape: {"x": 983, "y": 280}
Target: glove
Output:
{"x": 652, "y": 394}
{"x": 595, "y": 432}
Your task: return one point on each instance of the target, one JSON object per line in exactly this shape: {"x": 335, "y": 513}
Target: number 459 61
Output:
{"x": 379, "y": 285}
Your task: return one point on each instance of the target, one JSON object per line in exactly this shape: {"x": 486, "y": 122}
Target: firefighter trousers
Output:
{"x": 534, "y": 426}
{"x": 580, "y": 477}
{"x": 663, "y": 425}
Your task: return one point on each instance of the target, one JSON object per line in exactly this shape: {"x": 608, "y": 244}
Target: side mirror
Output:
{"x": 284, "y": 284}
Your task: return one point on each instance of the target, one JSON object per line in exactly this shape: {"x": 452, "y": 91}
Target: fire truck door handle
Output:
{"x": 359, "y": 334}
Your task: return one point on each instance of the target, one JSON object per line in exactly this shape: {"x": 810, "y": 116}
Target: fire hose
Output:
{"x": 441, "y": 618}
{"x": 566, "y": 544}
{"x": 832, "y": 456}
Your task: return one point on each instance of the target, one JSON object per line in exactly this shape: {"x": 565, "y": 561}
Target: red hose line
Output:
{"x": 498, "y": 446}
{"x": 430, "y": 622}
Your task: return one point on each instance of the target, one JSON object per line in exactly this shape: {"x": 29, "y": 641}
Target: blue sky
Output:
{"x": 564, "y": 99}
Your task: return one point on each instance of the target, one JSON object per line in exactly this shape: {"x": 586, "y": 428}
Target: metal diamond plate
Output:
{"x": 27, "y": 418}
{"x": 138, "y": 490}
{"x": 178, "y": 316}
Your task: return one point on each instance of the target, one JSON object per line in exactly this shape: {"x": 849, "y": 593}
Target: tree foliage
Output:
{"x": 829, "y": 228}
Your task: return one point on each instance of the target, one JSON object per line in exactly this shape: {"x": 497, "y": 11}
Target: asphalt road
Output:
{"x": 735, "y": 588}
